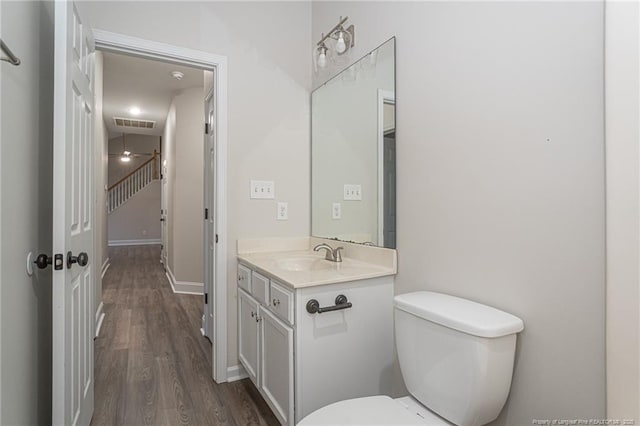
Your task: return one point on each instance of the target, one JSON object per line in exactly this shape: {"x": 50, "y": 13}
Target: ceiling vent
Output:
{"x": 133, "y": 123}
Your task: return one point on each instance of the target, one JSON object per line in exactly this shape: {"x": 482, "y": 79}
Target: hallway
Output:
{"x": 152, "y": 365}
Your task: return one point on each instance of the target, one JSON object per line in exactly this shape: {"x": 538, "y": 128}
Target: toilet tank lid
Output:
{"x": 459, "y": 314}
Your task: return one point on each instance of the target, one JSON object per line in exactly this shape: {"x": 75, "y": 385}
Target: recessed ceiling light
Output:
{"x": 134, "y": 110}
{"x": 177, "y": 75}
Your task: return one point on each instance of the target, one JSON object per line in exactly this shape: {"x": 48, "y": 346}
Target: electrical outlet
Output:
{"x": 283, "y": 211}
{"x": 353, "y": 192}
{"x": 262, "y": 189}
{"x": 336, "y": 211}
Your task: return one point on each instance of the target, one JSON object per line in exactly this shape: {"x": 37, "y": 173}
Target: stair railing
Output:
{"x": 125, "y": 188}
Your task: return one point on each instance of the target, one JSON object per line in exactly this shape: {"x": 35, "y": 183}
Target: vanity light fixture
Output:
{"x": 345, "y": 39}
{"x": 322, "y": 56}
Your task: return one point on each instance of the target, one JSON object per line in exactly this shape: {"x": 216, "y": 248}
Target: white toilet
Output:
{"x": 456, "y": 358}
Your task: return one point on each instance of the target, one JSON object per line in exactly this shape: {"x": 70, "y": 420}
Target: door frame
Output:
{"x": 210, "y": 200}
{"x": 148, "y": 49}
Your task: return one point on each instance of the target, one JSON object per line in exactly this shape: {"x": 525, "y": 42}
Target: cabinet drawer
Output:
{"x": 244, "y": 278}
{"x": 281, "y": 302}
{"x": 260, "y": 287}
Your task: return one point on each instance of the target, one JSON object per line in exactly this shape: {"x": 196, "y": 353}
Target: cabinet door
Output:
{"x": 276, "y": 374}
{"x": 248, "y": 338}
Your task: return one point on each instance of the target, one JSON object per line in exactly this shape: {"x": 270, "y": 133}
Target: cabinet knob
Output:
{"x": 276, "y": 302}
{"x": 253, "y": 314}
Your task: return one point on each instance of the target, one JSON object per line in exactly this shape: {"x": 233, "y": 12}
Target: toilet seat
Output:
{"x": 373, "y": 410}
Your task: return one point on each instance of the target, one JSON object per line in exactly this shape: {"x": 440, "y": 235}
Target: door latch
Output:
{"x": 42, "y": 261}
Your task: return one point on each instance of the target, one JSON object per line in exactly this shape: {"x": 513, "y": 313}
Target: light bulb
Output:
{"x": 341, "y": 46}
{"x": 125, "y": 159}
{"x": 322, "y": 59}
{"x": 134, "y": 110}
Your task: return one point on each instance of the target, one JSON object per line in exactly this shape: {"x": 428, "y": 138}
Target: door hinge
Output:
{"x": 216, "y": 238}
{"x": 206, "y": 128}
{"x": 206, "y": 214}
{"x": 206, "y": 298}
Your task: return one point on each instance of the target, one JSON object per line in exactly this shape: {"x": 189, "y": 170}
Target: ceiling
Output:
{"x": 146, "y": 84}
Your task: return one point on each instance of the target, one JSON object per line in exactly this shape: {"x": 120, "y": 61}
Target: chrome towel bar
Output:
{"x": 11, "y": 58}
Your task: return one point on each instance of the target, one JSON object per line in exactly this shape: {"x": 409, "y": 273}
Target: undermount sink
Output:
{"x": 304, "y": 263}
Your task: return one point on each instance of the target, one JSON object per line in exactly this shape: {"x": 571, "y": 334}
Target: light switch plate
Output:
{"x": 262, "y": 189}
{"x": 352, "y": 192}
{"x": 283, "y": 211}
{"x": 336, "y": 211}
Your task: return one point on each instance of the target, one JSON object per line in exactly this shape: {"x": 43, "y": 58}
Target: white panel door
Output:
{"x": 73, "y": 219}
{"x": 248, "y": 344}
{"x": 276, "y": 369}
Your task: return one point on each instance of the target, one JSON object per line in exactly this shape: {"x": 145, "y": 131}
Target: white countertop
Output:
{"x": 322, "y": 272}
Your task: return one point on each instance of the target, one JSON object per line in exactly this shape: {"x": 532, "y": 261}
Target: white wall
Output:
{"x": 500, "y": 157}
{"x": 26, "y": 126}
{"x": 623, "y": 212}
{"x": 267, "y": 45}
{"x": 187, "y": 237}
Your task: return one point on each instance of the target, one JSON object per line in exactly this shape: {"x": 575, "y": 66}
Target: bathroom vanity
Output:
{"x": 310, "y": 331}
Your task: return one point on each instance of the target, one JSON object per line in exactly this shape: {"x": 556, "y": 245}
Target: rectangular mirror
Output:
{"x": 353, "y": 152}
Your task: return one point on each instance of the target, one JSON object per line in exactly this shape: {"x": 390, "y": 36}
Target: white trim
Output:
{"x": 1, "y": 233}
{"x": 99, "y": 318}
{"x": 638, "y": 260}
{"x": 235, "y": 373}
{"x": 105, "y": 266}
{"x": 382, "y": 96}
{"x": 113, "y": 42}
{"x": 183, "y": 287}
{"x": 153, "y": 241}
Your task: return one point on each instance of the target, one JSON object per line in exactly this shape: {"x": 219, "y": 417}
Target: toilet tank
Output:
{"x": 456, "y": 356}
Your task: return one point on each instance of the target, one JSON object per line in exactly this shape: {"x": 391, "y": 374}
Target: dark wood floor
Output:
{"x": 152, "y": 365}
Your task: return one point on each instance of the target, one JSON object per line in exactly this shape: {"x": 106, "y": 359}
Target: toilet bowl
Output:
{"x": 456, "y": 358}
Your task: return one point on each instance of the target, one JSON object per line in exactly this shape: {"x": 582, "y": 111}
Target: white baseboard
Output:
{"x": 235, "y": 373}
{"x": 99, "y": 318}
{"x": 105, "y": 266}
{"x": 113, "y": 243}
{"x": 183, "y": 287}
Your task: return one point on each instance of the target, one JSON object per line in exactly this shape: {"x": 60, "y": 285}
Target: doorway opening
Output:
{"x": 208, "y": 276}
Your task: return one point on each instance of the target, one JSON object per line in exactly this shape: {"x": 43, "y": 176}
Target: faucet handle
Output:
{"x": 337, "y": 255}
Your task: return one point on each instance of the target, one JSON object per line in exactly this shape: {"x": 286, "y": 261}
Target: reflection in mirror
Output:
{"x": 353, "y": 152}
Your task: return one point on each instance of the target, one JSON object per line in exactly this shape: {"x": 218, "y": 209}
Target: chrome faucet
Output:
{"x": 332, "y": 254}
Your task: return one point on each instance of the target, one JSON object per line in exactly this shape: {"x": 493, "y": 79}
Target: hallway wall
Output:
{"x": 138, "y": 220}
{"x": 183, "y": 153}
{"x": 26, "y": 128}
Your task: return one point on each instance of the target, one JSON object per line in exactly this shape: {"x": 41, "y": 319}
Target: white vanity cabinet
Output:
{"x": 265, "y": 349}
{"x": 301, "y": 361}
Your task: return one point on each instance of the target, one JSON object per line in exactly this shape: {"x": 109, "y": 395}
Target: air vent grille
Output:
{"x": 134, "y": 123}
